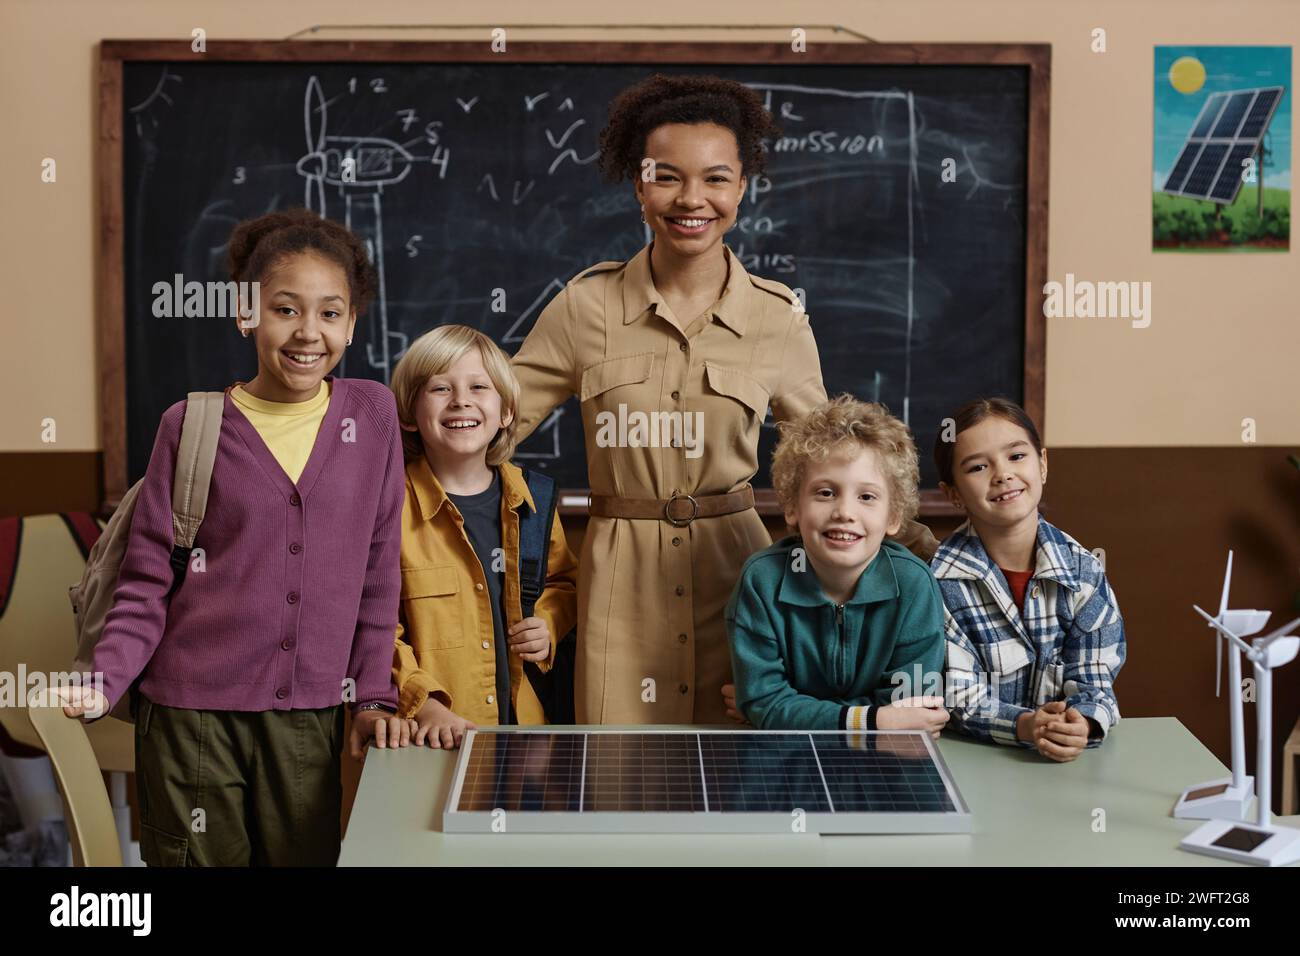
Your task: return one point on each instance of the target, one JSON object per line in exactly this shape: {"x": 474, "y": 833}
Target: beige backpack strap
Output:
{"x": 194, "y": 460}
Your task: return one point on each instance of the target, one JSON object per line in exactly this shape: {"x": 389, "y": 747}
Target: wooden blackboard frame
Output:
{"x": 110, "y": 330}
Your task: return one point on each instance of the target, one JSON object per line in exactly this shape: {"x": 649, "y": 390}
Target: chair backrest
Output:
{"x": 92, "y": 830}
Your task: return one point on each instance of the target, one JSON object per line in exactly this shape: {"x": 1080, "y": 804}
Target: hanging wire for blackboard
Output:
{"x": 784, "y": 27}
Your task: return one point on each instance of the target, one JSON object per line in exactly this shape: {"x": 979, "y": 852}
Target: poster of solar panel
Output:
{"x": 1222, "y": 149}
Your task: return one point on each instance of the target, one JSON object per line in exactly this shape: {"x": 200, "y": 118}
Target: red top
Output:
{"x": 1018, "y": 580}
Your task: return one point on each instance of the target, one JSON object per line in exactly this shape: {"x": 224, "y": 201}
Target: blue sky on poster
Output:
{"x": 1226, "y": 68}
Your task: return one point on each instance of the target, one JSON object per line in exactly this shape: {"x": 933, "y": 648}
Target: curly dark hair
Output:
{"x": 660, "y": 99}
{"x": 257, "y": 244}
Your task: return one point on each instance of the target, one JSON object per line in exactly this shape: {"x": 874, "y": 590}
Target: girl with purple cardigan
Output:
{"x": 242, "y": 674}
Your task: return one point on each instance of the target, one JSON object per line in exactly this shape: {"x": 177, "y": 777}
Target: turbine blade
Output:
{"x": 1227, "y": 583}
{"x": 1281, "y": 631}
{"x": 1218, "y": 664}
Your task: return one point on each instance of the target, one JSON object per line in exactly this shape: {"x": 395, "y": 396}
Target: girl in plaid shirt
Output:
{"x": 1034, "y": 635}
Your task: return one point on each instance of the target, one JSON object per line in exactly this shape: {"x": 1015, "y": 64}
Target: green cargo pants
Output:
{"x": 236, "y": 788}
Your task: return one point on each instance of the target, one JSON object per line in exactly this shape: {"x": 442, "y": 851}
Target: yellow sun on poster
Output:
{"x": 1187, "y": 75}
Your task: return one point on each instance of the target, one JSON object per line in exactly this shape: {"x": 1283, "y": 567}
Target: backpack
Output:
{"x": 92, "y": 597}
{"x": 554, "y": 688}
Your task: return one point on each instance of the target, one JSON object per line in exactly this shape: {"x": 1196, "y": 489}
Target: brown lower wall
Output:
{"x": 1165, "y": 518}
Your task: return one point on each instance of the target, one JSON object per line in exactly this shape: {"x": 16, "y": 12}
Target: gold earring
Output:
{"x": 349, "y": 341}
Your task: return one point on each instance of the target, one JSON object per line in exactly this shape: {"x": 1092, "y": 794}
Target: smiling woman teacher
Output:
{"x": 679, "y": 328}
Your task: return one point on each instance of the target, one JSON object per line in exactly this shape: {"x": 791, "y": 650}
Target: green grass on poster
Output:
{"x": 1179, "y": 223}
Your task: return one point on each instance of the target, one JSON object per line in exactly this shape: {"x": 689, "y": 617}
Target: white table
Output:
{"x": 1025, "y": 811}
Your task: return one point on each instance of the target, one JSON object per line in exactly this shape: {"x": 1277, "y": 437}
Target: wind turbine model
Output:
{"x": 1262, "y": 843}
{"x": 1227, "y": 798}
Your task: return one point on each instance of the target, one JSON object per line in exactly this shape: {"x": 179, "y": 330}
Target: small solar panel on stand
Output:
{"x": 1228, "y": 132}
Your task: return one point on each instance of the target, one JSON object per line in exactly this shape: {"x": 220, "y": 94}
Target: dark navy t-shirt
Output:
{"x": 482, "y": 515}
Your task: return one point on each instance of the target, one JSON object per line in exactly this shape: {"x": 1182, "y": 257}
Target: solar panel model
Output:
{"x": 1229, "y": 130}
{"x": 518, "y": 780}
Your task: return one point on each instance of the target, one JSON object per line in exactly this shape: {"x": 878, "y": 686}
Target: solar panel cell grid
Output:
{"x": 897, "y": 778}
{"x": 1206, "y": 170}
{"x": 769, "y": 774}
{"x": 670, "y": 781}
{"x": 1258, "y": 115}
{"x": 704, "y": 772}
{"x": 1229, "y": 181}
{"x": 1209, "y": 114}
{"x": 536, "y": 772}
{"x": 1231, "y": 116}
{"x": 1182, "y": 167}
{"x": 643, "y": 773}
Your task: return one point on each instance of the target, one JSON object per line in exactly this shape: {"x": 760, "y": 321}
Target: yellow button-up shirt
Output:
{"x": 445, "y": 643}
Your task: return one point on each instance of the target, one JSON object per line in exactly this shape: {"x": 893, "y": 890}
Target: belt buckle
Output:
{"x": 676, "y": 523}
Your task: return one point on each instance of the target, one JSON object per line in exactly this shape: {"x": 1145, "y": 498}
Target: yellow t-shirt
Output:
{"x": 288, "y": 428}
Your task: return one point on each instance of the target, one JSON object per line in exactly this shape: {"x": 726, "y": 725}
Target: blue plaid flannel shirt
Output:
{"x": 1067, "y": 642}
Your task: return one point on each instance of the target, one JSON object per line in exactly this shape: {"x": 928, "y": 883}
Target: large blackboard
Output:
{"x": 475, "y": 177}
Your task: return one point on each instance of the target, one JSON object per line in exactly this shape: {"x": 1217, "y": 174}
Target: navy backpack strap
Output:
{"x": 554, "y": 689}
{"x": 535, "y": 538}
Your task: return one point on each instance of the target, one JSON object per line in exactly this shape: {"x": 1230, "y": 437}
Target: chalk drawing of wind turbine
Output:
{"x": 359, "y": 167}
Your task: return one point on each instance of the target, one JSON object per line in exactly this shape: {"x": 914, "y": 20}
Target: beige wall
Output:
{"x": 1224, "y": 339}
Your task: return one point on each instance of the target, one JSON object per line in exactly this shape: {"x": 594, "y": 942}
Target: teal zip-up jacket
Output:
{"x": 802, "y": 662}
